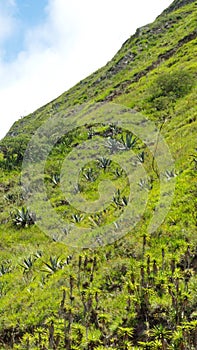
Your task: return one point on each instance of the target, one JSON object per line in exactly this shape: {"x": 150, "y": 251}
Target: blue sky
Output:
{"x": 25, "y": 14}
{"x": 47, "y": 46}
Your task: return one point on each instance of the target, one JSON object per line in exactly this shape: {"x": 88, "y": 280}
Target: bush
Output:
{"x": 170, "y": 86}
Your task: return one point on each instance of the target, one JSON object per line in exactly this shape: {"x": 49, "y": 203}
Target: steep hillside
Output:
{"x": 106, "y": 258}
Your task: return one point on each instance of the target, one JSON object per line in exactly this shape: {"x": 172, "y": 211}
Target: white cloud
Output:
{"x": 5, "y": 26}
{"x": 76, "y": 38}
{"x": 7, "y": 20}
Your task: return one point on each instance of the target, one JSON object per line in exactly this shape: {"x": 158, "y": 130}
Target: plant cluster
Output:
{"x": 136, "y": 293}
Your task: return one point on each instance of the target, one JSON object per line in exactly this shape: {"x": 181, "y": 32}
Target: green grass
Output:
{"x": 126, "y": 294}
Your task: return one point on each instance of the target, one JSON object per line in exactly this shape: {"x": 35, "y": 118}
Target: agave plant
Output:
{"x": 23, "y": 217}
{"x": 4, "y": 268}
{"x": 145, "y": 184}
{"x": 124, "y": 201}
{"x": 89, "y": 174}
{"x": 96, "y": 219}
{"x": 77, "y": 188}
{"x": 118, "y": 172}
{"x": 141, "y": 157}
{"x": 104, "y": 163}
{"x": 113, "y": 145}
{"x": 116, "y": 198}
{"x": 27, "y": 264}
{"x": 55, "y": 264}
{"x": 129, "y": 141}
{"x": 120, "y": 201}
{"x": 55, "y": 179}
{"x": 170, "y": 174}
{"x": 38, "y": 254}
{"x": 77, "y": 218}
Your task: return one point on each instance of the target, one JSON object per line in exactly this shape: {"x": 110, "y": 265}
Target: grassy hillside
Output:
{"x": 62, "y": 285}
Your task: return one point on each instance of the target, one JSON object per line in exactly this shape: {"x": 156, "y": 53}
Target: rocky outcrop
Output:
{"x": 177, "y": 4}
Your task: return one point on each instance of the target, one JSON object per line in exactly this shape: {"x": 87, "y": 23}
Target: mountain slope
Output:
{"x": 139, "y": 292}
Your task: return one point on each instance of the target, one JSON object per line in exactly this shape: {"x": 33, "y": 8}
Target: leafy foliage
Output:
{"x": 139, "y": 292}
{"x": 168, "y": 87}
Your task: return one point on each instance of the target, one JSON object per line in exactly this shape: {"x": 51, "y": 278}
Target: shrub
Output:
{"x": 169, "y": 86}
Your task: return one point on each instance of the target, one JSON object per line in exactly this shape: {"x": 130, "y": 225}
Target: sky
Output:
{"x": 47, "y": 46}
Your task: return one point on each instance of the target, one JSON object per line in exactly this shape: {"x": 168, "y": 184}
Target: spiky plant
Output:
{"x": 170, "y": 174}
{"x": 120, "y": 201}
{"x": 118, "y": 172}
{"x": 4, "y": 268}
{"x": 23, "y": 217}
{"x": 104, "y": 163}
{"x": 55, "y": 264}
{"x": 141, "y": 157}
{"x": 129, "y": 141}
{"x": 27, "y": 264}
{"x": 89, "y": 174}
{"x": 145, "y": 184}
{"x": 55, "y": 179}
{"x": 77, "y": 217}
{"x": 161, "y": 334}
{"x": 113, "y": 145}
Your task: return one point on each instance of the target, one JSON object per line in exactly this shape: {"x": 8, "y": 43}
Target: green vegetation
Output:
{"x": 23, "y": 218}
{"x": 168, "y": 87}
{"x": 140, "y": 292}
